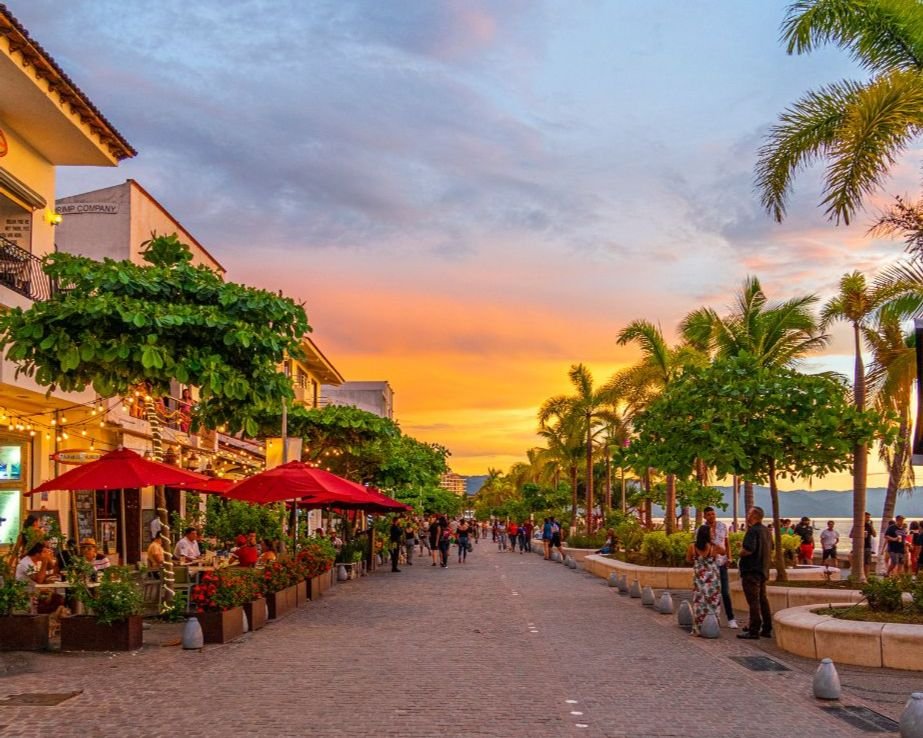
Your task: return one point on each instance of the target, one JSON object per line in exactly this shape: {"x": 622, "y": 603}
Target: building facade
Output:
{"x": 454, "y": 483}
{"x": 46, "y": 121}
{"x": 373, "y": 397}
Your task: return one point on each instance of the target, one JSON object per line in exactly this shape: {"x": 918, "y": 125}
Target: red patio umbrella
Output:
{"x": 210, "y": 485}
{"x": 296, "y": 480}
{"x": 119, "y": 469}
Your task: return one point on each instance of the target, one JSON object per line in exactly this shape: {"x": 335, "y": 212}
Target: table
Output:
{"x": 61, "y": 585}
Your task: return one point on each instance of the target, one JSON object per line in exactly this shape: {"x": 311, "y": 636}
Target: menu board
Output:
{"x": 85, "y": 514}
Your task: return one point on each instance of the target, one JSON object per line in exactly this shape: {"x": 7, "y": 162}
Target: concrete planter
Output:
{"x": 257, "y": 613}
{"x": 782, "y": 597}
{"x": 802, "y": 631}
{"x": 24, "y": 633}
{"x": 301, "y": 593}
{"x": 84, "y": 633}
{"x": 662, "y": 577}
{"x": 281, "y": 603}
{"x": 316, "y": 586}
{"x": 221, "y": 627}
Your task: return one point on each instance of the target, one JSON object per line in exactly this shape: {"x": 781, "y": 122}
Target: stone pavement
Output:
{"x": 506, "y": 645}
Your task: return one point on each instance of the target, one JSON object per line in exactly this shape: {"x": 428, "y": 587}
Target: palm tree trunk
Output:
{"x": 589, "y": 474}
{"x": 669, "y": 513}
{"x": 648, "y": 504}
{"x": 701, "y": 475}
{"x": 781, "y": 574}
{"x": 573, "y": 502}
{"x": 608, "y": 484}
{"x": 749, "y": 498}
{"x": 860, "y": 469}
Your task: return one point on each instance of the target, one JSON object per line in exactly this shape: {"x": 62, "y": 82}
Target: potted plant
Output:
{"x": 217, "y": 603}
{"x": 113, "y": 622}
{"x": 279, "y": 578}
{"x": 245, "y": 587}
{"x": 315, "y": 559}
{"x": 19, "y": 630}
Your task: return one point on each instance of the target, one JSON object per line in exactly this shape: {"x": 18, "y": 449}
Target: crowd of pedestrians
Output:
{"x": 436, "y": 535}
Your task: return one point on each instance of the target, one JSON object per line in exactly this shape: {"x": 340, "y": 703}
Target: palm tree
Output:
{"x": 562, "y": 431}
{"x": 778, "y": 334}
{"x": 858, "y": 128}
{"x": 891, "y": 376}
{"x": 659, "y": 366}
{"x": 857, "y": 303}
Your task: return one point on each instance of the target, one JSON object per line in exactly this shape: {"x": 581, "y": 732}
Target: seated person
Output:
{"x": 67, "y": 554}
{"x": 245, "y": 553}
{"x": 609, "y": 545}
{"x": 252, "y": 540}
{"x": 187, "y": 549}
{"x": 90, "y": 552}
{"x": 36, "y": 566}
{"x": 335, "y": 539}
{"x": 319, "y": 532}
{"x": 155, "y": 556}
{"x": 269, "y": 553}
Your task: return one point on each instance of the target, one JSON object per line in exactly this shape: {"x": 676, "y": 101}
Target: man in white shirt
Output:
{"x": 187, "y": 548}
{"x": 35, "y": 565}
{"x": 719, "y": 537}
{"x": 828, "y": 540}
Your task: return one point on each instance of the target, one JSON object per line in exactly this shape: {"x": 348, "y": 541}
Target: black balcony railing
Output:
{"x": 22, "y": 272}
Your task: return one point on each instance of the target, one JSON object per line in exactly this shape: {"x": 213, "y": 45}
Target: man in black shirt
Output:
{"x": 397, "y": 538}
{"x": 868, "y": 534}
{"x": 755, "y": 558}
{"x": 895, "y": 535}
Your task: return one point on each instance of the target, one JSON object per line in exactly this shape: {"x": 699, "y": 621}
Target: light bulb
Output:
{"x": 54, "y": 422}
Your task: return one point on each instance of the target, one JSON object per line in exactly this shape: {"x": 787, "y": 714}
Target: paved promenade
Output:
{"x": 506, "y": 645}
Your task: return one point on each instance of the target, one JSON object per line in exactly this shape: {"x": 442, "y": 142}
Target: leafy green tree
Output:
{"x": 858, "y": 128}
{"x": 116, "y": 325}
{"x": 761, "y": 422}
{"x": 774, "y": 334}
{"x": 660, "y": 365}
{"x": 563, "y": 433}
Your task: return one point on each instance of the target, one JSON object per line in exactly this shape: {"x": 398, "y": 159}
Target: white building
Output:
{"x": 373, "y": 397}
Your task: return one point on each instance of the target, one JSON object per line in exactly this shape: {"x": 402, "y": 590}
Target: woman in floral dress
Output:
{"x": 706, "y": 580}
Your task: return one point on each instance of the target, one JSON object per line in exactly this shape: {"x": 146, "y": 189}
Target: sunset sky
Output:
{"x": 468, "y": 196}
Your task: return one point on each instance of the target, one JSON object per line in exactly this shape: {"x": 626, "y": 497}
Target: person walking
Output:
{"x": 805, "y": 530}
{"x": 755, "y": 557}
{"x": 521, "y": 538}
{"x": 463, "y": 535}
{"x": 500, "y": 528}
{"x": 828, "y": 540}
{"x": 445, "y": 541}
{"x": 546, "y": 538}
{"x": 719, "y": 537}
{"x": 512, "y": 531}
{"x": 397, "y": 539}
{"x": 433, "y": 538}
{"x": 410, "y": 540}
{"x": 706, "y": 581}
{"x": 896, "y": 535}
{"x": 556, "y": 537}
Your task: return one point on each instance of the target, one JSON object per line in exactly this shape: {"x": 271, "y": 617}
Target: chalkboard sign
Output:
{"x": 85, "y": 513}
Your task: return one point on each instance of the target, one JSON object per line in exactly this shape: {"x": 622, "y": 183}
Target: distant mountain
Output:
{"x": 822, "y": 503}
{"x": 473, "y": 484}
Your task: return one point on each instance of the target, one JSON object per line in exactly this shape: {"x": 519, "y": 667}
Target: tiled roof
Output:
{"x": 47, "y": 68}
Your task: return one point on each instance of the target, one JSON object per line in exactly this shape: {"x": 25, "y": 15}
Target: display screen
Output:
{"x": 9, "y": 515}
{"x": 10, "y": 462}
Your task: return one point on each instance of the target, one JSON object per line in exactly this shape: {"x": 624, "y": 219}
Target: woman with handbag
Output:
{"x": 706, "y": 579}
{"x": 463, "y": 533}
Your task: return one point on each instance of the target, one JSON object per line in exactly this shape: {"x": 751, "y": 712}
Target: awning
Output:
{"x": 21, "y": 191}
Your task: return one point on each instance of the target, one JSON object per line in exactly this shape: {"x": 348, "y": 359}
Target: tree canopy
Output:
{"x": 115, "y": 325}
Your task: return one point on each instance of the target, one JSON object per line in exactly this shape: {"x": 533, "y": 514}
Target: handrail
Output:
{"x": 22, "y": 272}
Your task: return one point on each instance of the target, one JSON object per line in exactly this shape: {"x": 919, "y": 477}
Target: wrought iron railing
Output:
{"x": 22, "y": 272}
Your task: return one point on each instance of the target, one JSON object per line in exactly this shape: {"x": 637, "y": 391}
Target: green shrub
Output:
{"x": 735, "y": 543}
{"x": 915, "y": 587}
{"x": 679, "y": 543}
{"x": 790, "y": 544}
{"x": 883, "y": 594}
{"x": 117, "y": 597}
{"x": 629, "y": 534}
{"x": 583, "y": 541}
{"x": 655, "y": 547}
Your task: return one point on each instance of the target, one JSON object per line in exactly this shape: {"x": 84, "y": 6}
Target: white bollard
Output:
{"x": 684, "y": 615}
{"x": 647, "y": 597}
{"x": 635, "y": 589}
{"x": 666, "y": 604}
{"x": 192, "y": 634}
{"x": 572, "y": 564}
{"x": 911, "y": 723}
{"x": 613, "y": 580}
{"x": 342, "y": 574}
{"x": 826, "y": 681}
{"x": 246, "y": 621}
{"x": 710, "y": 628}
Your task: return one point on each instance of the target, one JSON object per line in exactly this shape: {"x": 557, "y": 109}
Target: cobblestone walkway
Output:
{"x": 507, "y": 645}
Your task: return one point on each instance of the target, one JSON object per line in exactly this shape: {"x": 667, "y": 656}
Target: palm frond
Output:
{"x": 807, "y": 131}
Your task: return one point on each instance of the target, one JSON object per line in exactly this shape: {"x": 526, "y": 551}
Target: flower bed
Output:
{"x": 219, "y": 598}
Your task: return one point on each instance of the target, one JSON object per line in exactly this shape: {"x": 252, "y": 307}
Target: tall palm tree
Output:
{"x": 857, "y": 303}
{"x": 891, "y": 376}
{"x": 774, "y": 334}
{"x": 562, "y": 432}
{"x": 858, "y": 128}
{"x": 660, "y": 365}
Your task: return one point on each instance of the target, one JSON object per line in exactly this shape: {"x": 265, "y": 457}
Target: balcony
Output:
{"x": 22, "y": 272}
